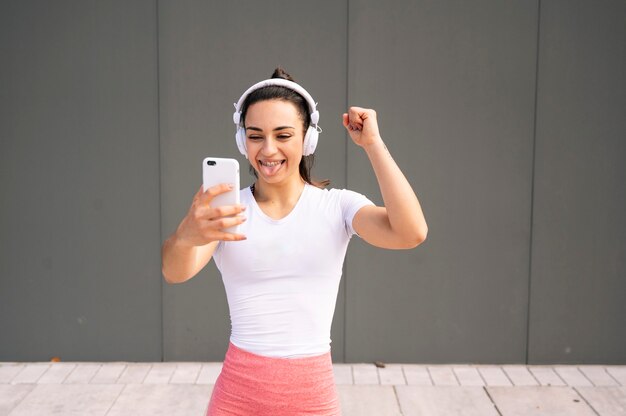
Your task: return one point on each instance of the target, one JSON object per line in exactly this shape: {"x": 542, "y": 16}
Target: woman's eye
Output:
{"x": 255, "y": 137}
{"x": 284, "y": 136}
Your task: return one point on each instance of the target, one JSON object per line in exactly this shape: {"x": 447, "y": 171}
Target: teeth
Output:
{"x": 270, "y": 164}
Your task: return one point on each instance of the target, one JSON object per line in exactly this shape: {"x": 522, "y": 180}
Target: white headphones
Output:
{"x": 312, "y": 133}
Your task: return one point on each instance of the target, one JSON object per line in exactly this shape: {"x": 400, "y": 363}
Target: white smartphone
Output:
{"x": 217, "y": 170}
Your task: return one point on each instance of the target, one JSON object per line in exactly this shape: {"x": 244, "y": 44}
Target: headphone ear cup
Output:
{"x": 310, "y": 141}
{"x": 240, "y": 138}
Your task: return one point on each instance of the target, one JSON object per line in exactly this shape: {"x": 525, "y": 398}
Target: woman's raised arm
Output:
{"x": 400, "y": 223}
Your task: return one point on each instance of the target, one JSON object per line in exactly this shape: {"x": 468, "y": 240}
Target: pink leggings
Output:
{"x": 251, "y": 384}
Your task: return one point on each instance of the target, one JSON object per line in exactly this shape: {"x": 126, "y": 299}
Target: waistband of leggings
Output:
{"x": 320, "y": 359}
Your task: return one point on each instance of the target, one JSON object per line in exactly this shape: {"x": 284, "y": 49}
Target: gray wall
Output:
{"x": 79, "y": 181}
{"x": 578, "y": 273}
{"x": 507, "y": 118}
{"x": 457, "y": 113}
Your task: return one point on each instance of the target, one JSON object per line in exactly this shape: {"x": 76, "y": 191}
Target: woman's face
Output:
{"x": 274, "y": 136}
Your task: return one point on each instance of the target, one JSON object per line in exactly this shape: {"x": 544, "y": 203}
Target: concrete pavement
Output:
{"x": 184, "y": 388}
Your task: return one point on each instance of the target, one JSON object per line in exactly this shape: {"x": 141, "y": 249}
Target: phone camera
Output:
{"x": 211, "y": 162}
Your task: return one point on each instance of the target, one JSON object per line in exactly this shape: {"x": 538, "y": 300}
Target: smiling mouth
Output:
{"x": 270, "y": 168}
{"x": 271, "y": 164}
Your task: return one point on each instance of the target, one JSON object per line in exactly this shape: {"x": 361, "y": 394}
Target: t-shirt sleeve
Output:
{"x": 350, "y": 202}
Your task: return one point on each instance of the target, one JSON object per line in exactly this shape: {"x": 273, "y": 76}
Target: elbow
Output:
{"x": 164, "y": 272}
{"x": 168, "y": 278}
{"x": 423, "y": 235}
{"x": 415, "y": 239}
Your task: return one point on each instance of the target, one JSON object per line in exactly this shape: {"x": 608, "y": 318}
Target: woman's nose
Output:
{"x": 269, "y": 146}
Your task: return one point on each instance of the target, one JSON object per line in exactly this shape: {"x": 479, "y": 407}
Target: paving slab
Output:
{"x": 572, "y": 375}
{"x": 64, "y": 399}
{"x": 82, "y": 373}
{"x": 30, "y": 373}
{"x": 417, "y": 375}
{"x": 494, "y": 376}
{"x": 365, "y": 374}
{"x": 445, "y": 401}
{"x": 343, "y": 374}
{"x": 391, "y": 374}
{"x": 11, "y": 395}
{"x": 160, "y": 373}
{"x": 359, "y": 400}
{"x": 57, "y": 373}
{"x": 162, "y": 399}
{"x": 135, "y": 373}
{"x": 8, "y": 371}
{"x": 606, "y": 401}
{"x": 598, "y": 375}
{"x": 539, "y": 401}
{"x": 546, "y": 376}
{"x": 443, "y": 376}
{"x": 108, "y": 373}
{"x": 468, "y": 376}
{"x": 209, "y": 373}
{"x": 186, "y": 373}
{"x": 519, "y": 375}
{"x": 618, "y": 373}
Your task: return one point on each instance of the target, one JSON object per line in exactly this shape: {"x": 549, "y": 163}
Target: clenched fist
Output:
{"x": 362, "y": 126}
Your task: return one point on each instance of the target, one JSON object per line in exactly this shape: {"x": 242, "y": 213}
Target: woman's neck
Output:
{"x": 284, "y": 194}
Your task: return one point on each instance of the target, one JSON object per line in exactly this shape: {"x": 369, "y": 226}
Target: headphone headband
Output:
{"x": 279, "y": 82}
{"x": 310, "y": 139}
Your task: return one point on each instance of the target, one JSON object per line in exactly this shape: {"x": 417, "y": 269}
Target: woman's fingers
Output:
{"x": 354, "y": 119}
{"x": 222, "y": 223}
{"x": 355, "y": 122}
{"x": 224, "y": 236}
{"x": 206, "y": 212}
{"x": 348, "y": 124}
{"x": 198, "y": 195}
{"x": 208, "y": 195}
{"x": 205, "y": 223}
{"x": 361, "y": 125}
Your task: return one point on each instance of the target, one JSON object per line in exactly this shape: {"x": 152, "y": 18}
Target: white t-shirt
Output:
{"x": 282, "y": 282}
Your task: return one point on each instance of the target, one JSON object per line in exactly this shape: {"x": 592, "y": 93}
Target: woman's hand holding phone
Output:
{"x": 204, "y": 223}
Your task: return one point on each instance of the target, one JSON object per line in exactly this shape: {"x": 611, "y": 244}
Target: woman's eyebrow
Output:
{"x": 276, "y": 129}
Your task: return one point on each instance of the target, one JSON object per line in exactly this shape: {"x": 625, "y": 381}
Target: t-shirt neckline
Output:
{"x": 291, "y": 213}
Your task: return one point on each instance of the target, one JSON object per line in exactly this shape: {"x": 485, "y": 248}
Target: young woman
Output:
{"x": 282, "y": 272}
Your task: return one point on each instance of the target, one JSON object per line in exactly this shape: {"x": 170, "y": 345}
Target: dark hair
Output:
{"x": 275, "y": 92}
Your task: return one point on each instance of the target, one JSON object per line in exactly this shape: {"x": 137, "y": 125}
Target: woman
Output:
{"x": 282, "y": 272}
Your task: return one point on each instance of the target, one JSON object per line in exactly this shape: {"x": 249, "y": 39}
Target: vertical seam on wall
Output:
{"x": 345, "y": 172}
{"x": 158, "y": 108}
{"x": 532, "y": 183}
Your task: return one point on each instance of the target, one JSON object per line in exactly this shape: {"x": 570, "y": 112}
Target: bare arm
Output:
{"x": 400, "y": 223}
{"x": 181, "y": 262}
{"x": 191, "y": 247}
